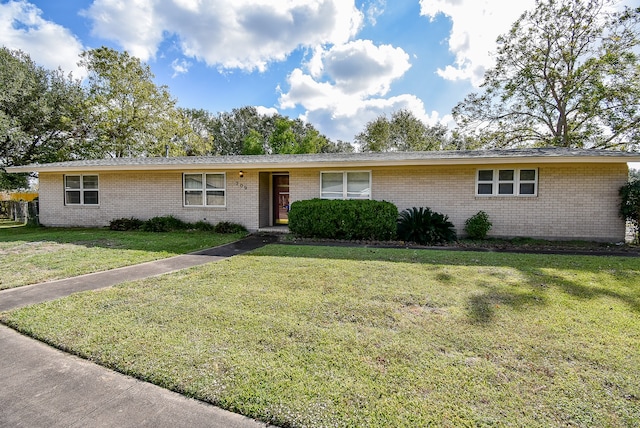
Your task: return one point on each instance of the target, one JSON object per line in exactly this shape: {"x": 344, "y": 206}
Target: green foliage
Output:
{"x": 247, "y": 132}
{"x": 630, "y": 204}
{"x": 41, "y": 115}
{"x": 425, "y": 227}
{"x": 172, "y": 224}
{"x": 566, "y": 75}
{"x": 130, "y": 114}
{"x": 343, "y": 219}
{"x": 124, "y": 224}
{"x": 403, "y": 132}
{"x": 477, "y": 225}
{"x": 164, "y": 224}
{"x": 228, "y": 227}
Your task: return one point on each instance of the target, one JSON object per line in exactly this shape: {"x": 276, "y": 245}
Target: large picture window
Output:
{"x": 345, "y": 185}
{"x": 205, "y": 190}
{"x": 81, "y": 190}
{"x": 507, "y": 182}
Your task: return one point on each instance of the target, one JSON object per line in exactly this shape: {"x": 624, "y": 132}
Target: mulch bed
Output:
{"x": 518, "y": 245}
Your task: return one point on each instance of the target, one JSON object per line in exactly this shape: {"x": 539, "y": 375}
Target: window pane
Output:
{"x": 73, "y": 197}
{"x": 193, "y": 181}
{"x": 527, "y": 174}
{"x": 358, "y": 185}
{"x": 505, "y": 189}
{"x": 91, "y": 197}
{"x": 527, "y": 189}
{"x": 332, "y": 182}
{"x": 193, "y": 197}
{"x": 485, "y": 175}
{"x": 505, "y": 175}
{"x": 215, "y": 181}
{"x": 90, "y": 181}
{"x": 485, "y": 189}
{"x": 215, "y": 197}
{"x": 72, "y": 182}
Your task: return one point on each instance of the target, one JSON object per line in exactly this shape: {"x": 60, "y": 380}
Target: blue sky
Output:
{"x": 335, "y": 63}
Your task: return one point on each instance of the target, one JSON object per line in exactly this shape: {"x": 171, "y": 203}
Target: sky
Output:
{"x": 337, "y": 64}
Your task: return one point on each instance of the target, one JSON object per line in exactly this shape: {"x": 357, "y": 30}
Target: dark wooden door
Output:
{"x": 281, "y": 199}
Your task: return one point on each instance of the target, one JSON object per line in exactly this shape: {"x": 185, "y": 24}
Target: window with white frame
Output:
{"x": 507, "y": 182}
{"x": 205, "y": 189}
{"x": 345, "y": 185}
{"x": 81, "y": 190}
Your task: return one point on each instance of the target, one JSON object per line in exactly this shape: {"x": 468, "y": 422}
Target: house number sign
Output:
{"x": 242, "y": 186}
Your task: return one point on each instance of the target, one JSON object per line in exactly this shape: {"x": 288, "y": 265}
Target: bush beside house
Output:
{"x": 343, "y": 219}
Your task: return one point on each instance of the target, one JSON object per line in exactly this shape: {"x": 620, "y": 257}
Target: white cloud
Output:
{"x": 48, "y": 44}
{"x": 266, "y": 111}
{"x": 375, "y": 9}
{"x": 346, "y": 85}
{"x": 135, "y": 24}
{"x": 243, "y": 34}
{"x": 476, "y": 24}
{"x": 180, "y": 67}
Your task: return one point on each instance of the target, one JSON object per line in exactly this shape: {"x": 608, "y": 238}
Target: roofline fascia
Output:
{"x": 330, "y": 164}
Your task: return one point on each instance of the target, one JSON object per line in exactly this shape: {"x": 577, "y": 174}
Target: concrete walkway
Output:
{"x": 36, "y": 293}
{"x": 44, "y": 387}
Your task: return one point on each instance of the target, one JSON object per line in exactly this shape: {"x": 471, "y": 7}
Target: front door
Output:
{"x": 281, "y": 199}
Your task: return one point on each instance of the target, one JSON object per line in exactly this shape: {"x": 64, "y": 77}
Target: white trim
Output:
{"x": 515, "y": 182}
{"x": 345, "y": 184}
{"x": 203, "y": 189}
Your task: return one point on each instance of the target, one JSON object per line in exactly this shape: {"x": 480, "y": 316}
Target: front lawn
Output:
{"x": 322, "y": 336}
{"x": 35, "y": 254}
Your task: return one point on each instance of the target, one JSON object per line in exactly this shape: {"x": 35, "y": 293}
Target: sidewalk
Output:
{"x": 36, "y": 293}
{"x": 45, "y": 387}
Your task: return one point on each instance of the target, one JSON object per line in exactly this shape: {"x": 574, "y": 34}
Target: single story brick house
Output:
{"x": 544, "y": 193}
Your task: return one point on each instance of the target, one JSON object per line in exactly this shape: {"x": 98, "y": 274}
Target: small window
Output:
{"x": 507, "y": 182}
{"x": 204, "y": 190}
{"x": 81, "y": 190}
{"x": 485, "y": 182}
{"x": 345, "y": 185}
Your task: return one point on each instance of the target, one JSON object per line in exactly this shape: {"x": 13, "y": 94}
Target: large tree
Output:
{"x": 131, "y": 115}
{"x": 245, "y": 131}
{"x": 402, "y": 132}
{"x": 567, "y": 74}
{"x": 41, "y": 114}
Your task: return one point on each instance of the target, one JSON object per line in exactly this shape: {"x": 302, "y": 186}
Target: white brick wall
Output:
{"x": 575, "y": 201}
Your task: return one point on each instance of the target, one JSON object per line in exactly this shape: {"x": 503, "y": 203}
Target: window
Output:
{"x": 204, "y": 190}
{"x": 345, "y": 185}
{"x": 81, "y": 190}
{"x": 507, "y": 182}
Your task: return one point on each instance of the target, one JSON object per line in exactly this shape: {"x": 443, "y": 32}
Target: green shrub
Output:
{"x": 123, "y": 224}
{"x": 343, "y": 219}
{"x": 630, "y": 205}
{"x": 203, "y": 226}
{"x": 478, "y": 225}
{"x": 425, "y": 227}
{"x": 227, "y": 227}
{"x": 164, "y": 224}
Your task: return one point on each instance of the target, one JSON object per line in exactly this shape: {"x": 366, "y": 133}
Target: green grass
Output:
{"x": 33, "y": 254}
{"x": 322, "y": 336}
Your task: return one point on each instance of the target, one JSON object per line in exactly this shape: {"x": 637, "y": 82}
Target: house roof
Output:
{"x": 340, "y": 160}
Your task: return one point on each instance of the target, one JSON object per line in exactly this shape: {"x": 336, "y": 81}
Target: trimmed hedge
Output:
{"x": 343, "y": 219}
{"x": 170, "y": 224}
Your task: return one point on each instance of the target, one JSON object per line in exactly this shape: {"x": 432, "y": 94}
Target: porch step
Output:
{"x": 275, "y": 229}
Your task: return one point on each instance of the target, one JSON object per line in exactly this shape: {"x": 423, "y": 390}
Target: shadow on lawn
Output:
{"x": 539, "y": 273}
{"x": 171, "y": 242}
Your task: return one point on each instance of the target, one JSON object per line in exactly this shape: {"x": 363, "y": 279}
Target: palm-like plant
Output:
{"x": 424, "y": 226}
